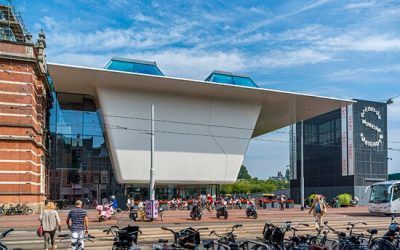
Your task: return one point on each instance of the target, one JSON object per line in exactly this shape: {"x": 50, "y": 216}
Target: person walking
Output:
{"x": 318, "y": 208}
{"x": 282, "y": 203}
{"x": 77, "y": 222}
{"x": 50, "y": 220}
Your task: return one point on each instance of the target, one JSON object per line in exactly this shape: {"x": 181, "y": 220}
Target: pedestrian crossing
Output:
{"x": 250, "y": 230}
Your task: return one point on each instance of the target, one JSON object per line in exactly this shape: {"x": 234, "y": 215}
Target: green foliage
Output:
{"x": 244, "y": 174}
{"x": 287, "y": 174}
{"x": 254, "y": 186}
{"x": 345, "y": 199}
{"x": 394, "y": 176}
{"x": 310, "y": 198}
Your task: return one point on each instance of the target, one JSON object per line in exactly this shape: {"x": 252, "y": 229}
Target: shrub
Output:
{"x": 344, "y": 199}
{"x": 310, "y": 198}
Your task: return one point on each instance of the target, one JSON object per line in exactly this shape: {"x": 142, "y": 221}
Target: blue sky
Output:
{"x": 347, "y": 49}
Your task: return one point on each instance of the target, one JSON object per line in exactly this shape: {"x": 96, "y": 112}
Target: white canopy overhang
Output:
{"x": 279, "y": 108}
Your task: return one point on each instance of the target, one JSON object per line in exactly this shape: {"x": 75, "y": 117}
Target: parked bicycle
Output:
{"x": 188, "y": 238}
{"x": 18, "y": 209}
{"x": 226, "y": 240}
{"x": 125, "y": 238}
{"x": 2, "y": 236}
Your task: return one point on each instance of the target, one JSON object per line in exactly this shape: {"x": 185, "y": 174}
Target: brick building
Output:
{"x": 24, "y": 102}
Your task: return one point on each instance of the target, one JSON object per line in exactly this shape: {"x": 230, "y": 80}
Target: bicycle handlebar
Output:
{"x": 4, "y": 234}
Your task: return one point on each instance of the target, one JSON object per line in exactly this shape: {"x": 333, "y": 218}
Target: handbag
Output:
{"x": 39, "y": 231}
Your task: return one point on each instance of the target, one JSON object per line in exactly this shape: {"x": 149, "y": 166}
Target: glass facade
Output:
{"x": 323, "y": 159}
{"x": 134, "y": 66}
{"x": 79, "y": 164}
{"x": 229, "y": 78}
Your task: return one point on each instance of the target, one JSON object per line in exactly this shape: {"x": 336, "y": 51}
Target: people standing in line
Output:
{"x": 50, "y": 221}
{"x": 318, "y": 208}
{"x": 77, "y": 222}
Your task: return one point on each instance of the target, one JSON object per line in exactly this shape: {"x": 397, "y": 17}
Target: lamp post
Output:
{"x": 152, "y": 190}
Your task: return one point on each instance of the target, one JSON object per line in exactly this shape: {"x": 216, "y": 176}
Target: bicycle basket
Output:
{"x": 129, "y": 234}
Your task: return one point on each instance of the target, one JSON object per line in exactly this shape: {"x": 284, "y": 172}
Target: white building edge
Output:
{"x": 202, "y": 129}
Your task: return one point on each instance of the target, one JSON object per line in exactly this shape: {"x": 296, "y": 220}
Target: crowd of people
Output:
{"x": 77, "y": 219}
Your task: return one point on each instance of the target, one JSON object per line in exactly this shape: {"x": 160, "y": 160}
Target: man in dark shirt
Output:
{"x": 77, "y": 222}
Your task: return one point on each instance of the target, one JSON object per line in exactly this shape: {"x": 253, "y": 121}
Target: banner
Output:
{"x": 344, "y": 140}
{"x": 151, "y": 209}
{"x": 350, "y": 141}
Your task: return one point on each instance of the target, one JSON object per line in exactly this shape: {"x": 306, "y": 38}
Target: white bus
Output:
{"x": 384, "y": 198}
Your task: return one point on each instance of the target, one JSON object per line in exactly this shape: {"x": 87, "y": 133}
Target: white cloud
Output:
{"x": 377, "y": 43}
{"x": 292, "y": 58}
{"x": 178, "y": 63}
{"x": 380, "y": 70}
{"x": 359, "y": 41}
{"x": 194, "y": 64}
{"x": 360, "y": 5}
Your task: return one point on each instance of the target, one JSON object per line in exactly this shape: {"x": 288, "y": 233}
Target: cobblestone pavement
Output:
{"x": 24, "y": 236}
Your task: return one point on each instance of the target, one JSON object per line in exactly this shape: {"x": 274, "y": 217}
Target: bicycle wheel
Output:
{"x": 342, "y": 246}
{"x": 381, "y": 244}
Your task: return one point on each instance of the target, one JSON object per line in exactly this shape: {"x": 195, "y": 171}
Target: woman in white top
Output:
{"x": 50, "y": 220}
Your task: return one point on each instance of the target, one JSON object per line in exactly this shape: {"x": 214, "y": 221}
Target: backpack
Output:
{"x": 318, "y": 208}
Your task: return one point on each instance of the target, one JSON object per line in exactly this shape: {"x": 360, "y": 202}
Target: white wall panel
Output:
{"x": 186, "y": 149}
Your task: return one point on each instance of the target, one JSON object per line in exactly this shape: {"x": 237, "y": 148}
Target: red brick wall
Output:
{"x": 21, "y": 127}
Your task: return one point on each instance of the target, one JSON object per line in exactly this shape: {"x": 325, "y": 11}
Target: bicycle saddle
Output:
{"x": 372, "y": 231}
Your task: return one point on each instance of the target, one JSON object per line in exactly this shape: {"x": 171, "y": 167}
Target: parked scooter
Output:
{"x": 335, "y": 202}
{"x": 251, "y": 211}
{"x": 104, "y": 212}
{"x": 196, "y": 212}
{"x": 222, "y": 211}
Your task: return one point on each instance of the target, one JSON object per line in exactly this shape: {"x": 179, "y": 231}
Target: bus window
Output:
{"x": 396, "y": 192}
{"x": 379, "y": 194}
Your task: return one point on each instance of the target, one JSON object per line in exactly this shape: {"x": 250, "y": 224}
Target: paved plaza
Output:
{"x": 25, "y": 237}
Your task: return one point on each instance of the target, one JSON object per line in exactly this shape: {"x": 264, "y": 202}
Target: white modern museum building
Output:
{"x": 202, "y": 128}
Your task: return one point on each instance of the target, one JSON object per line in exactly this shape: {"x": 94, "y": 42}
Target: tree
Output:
{"x": 244, "y": 174}
{"x": 287, "y": 174}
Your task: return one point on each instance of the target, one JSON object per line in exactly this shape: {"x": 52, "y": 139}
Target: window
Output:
{"x": 396, "y": 192}
{"x": 2, "y": 16}
{"x": 229, "y": 78}
{"x": 134, "y": 66}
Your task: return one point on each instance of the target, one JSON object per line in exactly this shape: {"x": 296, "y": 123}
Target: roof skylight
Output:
{"x": 230, "y": 78}
{"x": 134, "y": 66}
